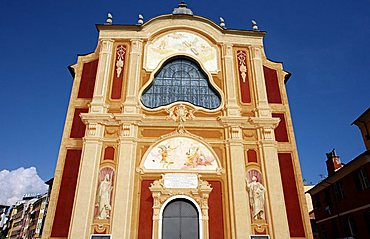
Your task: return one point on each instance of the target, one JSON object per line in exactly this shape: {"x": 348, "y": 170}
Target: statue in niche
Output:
{"x": 104, "y": 196}
{"x": 256, "y": 198}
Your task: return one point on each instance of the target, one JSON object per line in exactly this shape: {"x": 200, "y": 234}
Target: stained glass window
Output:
{"x": 181, "y": 80}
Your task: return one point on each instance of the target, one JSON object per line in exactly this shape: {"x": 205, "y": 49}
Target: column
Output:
{"x": 130, "y": 106}
{"x": 122, "y": 215}
{"x": 232, "y": 107}
{"x": 83, "y": 209}
{"x": 242, "y": 223}
{"x": 98, "y": 104}
{"x": 263, "y": 109}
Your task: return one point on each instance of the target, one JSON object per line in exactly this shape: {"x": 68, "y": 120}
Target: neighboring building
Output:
{"x": 342, "y": 200}
{"x": 311, "y": 212}
{"x": 178, "y": 127}
{"x": 27, "y": 217}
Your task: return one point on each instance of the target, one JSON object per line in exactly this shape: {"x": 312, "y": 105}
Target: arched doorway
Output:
{"x": 180, "y": 220}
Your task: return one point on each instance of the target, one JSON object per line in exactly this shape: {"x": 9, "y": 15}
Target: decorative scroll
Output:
{"x": 180, "y": 114}
{"x": 243, "y": 76}
{"x": 242, "y": 62}
{"x": 118, "y": 74}
{"x": 121, "y": 51}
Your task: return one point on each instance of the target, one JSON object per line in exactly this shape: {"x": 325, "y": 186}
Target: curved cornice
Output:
{"x": 147, "y": 24}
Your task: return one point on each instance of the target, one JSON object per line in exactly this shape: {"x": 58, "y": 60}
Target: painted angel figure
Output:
{"x": 103, "y": 201}
{"x": 256, "y": 198}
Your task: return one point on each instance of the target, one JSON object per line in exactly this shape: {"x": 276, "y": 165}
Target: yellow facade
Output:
{"x": 135, "y": 132}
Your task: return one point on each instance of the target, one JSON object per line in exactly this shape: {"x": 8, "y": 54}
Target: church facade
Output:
{"x": 177, "y": 128}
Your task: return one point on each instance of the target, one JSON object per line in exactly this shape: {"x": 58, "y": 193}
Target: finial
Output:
{"x": 254, "y": 26}
{"x": 182, "y": 9}
{"x": 140, "y": 20}
{"x": 222, "y": 23}
{"x": 109, "y": 20}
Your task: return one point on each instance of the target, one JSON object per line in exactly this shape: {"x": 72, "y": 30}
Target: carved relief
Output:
{"x": 121, "y": 51}
{"x": 242, "y": 63}
{"x": 111, "y": 132}
{"x": 91, "y": 129}
{"x": 181, "y": 43}
{"x": 161, "y": 194}
{"x": 103, "y": 205}
{"x": 235, "y": 132}
{"x": 180, "y": 114}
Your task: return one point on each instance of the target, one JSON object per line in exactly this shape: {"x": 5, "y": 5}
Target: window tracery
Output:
{"x": 181, "y": 80}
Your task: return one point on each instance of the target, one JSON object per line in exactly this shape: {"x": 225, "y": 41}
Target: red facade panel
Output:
{"x": 109, "y": 153}
{"x": 66, "y": 194}
{"x": 78, "y": 127}
{"x": 243, "y": 76}
{"x": 281, "y": 133}
{"x": 293, "y": 209}
{"x": 146, "y": 211}
{"x": 87, "y": 84}
{"x": 252, "y": 156}
{"x": 215, "y": 213}
{"x": 272, "y": 85}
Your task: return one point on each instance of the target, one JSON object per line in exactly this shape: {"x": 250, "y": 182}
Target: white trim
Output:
{"x": 177, "y": 197}
{"x": 110, "y": 235}
{"x": 344, "y": 213}
{"x": 268, "y": 236}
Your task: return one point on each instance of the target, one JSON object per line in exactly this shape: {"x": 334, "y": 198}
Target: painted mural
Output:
{"x": 180, "y": 153}
{"x": 103, "y": 205}
{"x": 181, "y": 43}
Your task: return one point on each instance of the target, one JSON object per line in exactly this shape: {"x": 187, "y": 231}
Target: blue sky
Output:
{"x": 324, "y": 44}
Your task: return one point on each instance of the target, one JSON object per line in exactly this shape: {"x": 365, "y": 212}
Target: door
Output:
{"x": 180, "y": 220}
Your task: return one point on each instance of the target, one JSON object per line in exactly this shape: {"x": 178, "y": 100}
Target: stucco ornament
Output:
{"x": 180, "y": 114}
{"x": 175, "y": 43}
{"x": 121, "y": 51}
{"x": 256, "y": 198}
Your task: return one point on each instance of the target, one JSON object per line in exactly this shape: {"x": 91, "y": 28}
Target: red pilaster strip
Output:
{"x": 78, "y": 127}
{"x": 272, "y": 85}
{"x": 66, "y": 194}
{"x": 281, "y": 133}
{"x": 87, "y": 84}
{"x": 215, "y": 213}
{"x": 146, "y": 211}
{"x": 293, "y": 209}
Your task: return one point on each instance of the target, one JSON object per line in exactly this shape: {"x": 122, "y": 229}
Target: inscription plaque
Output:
{"x": 259, "y": 237}
{"x": 180, "y": 180}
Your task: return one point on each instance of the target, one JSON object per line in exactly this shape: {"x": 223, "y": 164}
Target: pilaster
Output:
{"x": 98, "y": 103}
{"x": 122, "y": 215}
{"x": 130, "y": 106}
{"x": 232, "y": 108}
{"x": 268, "y": 147}
{"x": 241, "y": 209}
{"x": 262, "y": 108}
{"x": 86, "y": 185}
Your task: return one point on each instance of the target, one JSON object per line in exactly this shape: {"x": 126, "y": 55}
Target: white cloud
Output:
{"x": 14, "y": 184}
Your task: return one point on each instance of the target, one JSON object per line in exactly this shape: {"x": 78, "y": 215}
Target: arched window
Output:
{"x": 180, "y": 220}
{"x": 181, "y": 79}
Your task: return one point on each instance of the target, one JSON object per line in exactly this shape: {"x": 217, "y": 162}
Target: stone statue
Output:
{"x": 103, "y": 200}
{"x": 256, "y": 198}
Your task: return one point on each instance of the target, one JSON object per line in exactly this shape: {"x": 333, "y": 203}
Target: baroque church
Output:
{"x": 177, "y": 127}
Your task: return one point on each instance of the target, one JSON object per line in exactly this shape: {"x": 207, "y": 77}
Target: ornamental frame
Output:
{"x": 198, "y": 196}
